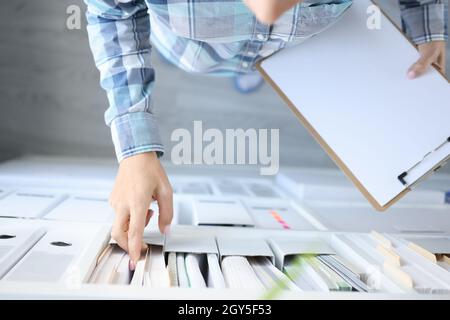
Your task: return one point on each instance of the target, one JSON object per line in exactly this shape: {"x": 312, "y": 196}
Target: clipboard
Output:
{"x": 349, "y": 89}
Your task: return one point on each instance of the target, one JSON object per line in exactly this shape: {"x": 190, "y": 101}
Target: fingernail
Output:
{"x": 411, "y": 75}
{"x": 132, "y": 265}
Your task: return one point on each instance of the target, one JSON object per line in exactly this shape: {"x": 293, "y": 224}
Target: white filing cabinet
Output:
{"x": 54, "y": 252}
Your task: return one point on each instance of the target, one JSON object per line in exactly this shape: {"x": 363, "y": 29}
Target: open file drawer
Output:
{"x": 374, "y": 255}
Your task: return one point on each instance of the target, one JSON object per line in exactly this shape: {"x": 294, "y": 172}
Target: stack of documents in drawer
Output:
{"x": 188, "y": 270}
{"x": 113, "y": 268}
{"x": 404, "y": 263}
{"x": 254, "y": 273}
{"x": 323, "y": 273}
{"x": 196, "y": 271}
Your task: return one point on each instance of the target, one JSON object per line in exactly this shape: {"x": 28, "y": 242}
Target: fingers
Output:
{"x": 431, "y": 53}
{"x": 420, "y": 67}
{"x": 138, "y": 217}
{"x": 120, "y": 227}
{"x": 164, "y": 196}
{"x": 442, "y": 62}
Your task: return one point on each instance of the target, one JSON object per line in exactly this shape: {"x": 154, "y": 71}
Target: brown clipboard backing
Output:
{"x": 324, "y": 144}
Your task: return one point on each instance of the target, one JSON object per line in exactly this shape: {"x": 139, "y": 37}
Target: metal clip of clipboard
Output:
{"x": 402, "y": 177}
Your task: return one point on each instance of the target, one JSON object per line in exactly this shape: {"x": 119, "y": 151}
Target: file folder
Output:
{"x": 348, "y": 87}
{"x": 215, "y": 276}
{"x": 195, "y": 270}
{"x": 183, "y": 280}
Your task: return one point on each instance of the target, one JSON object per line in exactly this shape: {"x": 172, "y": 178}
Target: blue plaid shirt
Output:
{"x": 220, "y": 37}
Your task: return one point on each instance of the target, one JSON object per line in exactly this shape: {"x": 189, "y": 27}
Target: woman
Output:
{"x": 217, "y": 37}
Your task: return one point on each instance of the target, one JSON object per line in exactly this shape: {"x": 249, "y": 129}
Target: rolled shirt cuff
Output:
{"x": 426, "y": 23}
{"x": 135, "y": 133}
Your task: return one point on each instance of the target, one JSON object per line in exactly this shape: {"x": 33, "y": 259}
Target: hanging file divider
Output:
{"x": 242, "y": 261}
{"x": 15, "y": 242}
{"x": 284, "y": 247}
{"x": 195, "y": 258}
{"x": 190, "y": 243}
{"x": 245, "y": 247}
{"x": 154, "y": 238}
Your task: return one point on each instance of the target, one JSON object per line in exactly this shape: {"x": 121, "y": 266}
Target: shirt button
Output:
{"x": 260, "y": 36}
{"x": 245, "y": 64}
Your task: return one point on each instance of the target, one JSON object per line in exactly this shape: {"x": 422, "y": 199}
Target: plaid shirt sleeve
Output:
{"x": 119, "y": 37}
{"x": 425, "y": 20}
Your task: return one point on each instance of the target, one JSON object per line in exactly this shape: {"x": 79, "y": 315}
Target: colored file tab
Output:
{"x": 279, "y": 215}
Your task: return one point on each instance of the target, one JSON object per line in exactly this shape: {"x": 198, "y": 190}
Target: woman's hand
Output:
{"x": 430, "y": 53}
{"x": 140, "y": 179}
{"x": 267, "y": 11}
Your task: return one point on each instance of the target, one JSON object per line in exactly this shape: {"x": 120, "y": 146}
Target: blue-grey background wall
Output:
{"x": 51, "y": 102}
